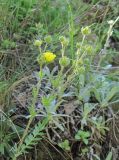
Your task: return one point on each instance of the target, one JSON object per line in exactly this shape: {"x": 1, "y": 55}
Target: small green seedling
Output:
{"x": 83, "y": 136}
{"x": 6, "y": 44}
{"x": 65, "y": 145}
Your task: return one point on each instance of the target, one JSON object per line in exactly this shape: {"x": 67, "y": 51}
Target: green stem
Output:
{"x": 106, "y": 43}
{"x": 29, "y": 122}
{"x": 71, "y": 30}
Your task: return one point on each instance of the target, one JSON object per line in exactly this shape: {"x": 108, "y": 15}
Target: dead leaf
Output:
{"x": 21, "y": 99}
{"x": 70, "y": 107}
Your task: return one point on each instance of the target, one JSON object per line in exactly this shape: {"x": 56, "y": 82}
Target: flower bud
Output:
{"x": 78, "y": 45}
{"x": 80, "y": 61}
{"x": 37, "y": 43}
{"x": 39, "y": 25}
{"x": 48, "y": 39}
{"x": 64, "y": 61}
{"x": 64, "y": 40}
{"x": 111, "y": 22}
{"x": 81, "y": 70}
{"x": 88, "y": 49}
{"x": 86, "y": 31}
{"x": 40, "y": 59}
{"x": 87, "y": 61}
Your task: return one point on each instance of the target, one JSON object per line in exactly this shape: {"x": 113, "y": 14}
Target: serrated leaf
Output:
{"x": 110, "y": 95}
{"x": 32, "y": 139}
{"x": 113, "y": 91}
{"x": 59, "y": 126}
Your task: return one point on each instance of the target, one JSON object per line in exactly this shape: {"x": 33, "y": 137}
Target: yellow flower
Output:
{"x": 49, "y": 56}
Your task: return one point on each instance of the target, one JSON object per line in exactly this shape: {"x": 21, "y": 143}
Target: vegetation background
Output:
{"x": 66, "y": 107}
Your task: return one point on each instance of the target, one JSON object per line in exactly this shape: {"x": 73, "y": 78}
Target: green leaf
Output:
{"x": 87, "y": 109}
{"x": 64, "y": 145}
{"x": 85, "y": 141}
{"x": 2, "y": 147}
{"x": 31, "y": 139}
{"x": 82, "y": 135}
{"x": 32, "y": 111}
{"x": 3, "y": 86}
{"x": 77, "y": 137}
{"x": 97, "y": 94}
{"x": 109, "y": 156}
{"x": 59, "y": 125}
{"x": 82, "y": 80}
{"x": 110, "y": 95}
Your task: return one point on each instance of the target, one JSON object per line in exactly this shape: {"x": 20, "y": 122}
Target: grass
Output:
{"x": 80, "y": 78}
